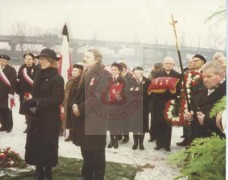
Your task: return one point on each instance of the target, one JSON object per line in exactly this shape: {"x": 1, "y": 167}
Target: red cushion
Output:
{"x": 115, "y": 92}
{"x": 161, "y": 84}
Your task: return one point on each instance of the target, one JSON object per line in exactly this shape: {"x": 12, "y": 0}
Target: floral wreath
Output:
{"x": 176, "y": 108}
{"x": 9, "y": 158}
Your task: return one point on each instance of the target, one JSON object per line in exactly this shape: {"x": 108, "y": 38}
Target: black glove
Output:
{"x": 31, "y": 102}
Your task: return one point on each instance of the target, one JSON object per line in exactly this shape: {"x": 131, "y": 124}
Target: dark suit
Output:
{"x": 204, "y": 104}
{"x": 163, "y": 129}
{"x": 6, "y": 118}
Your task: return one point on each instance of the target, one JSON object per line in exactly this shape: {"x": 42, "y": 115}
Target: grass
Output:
{"x": 70, "y": 169}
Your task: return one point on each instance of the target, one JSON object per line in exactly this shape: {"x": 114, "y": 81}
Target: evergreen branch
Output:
{"x": 205, "y": 158}
{"x": 218, "y": 107}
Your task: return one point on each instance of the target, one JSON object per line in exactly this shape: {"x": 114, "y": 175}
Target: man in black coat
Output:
{"x": 7, "y": 88}
{"x": 164, "y": 130}
{"x": 196, "y": 64}
{"x": 214, "y": 90}
{"x": 90, "y": 116}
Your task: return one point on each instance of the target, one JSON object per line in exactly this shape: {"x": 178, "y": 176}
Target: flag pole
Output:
{"x": 173, "y": 23}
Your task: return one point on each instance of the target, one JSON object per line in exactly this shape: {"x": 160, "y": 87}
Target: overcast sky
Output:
{"x": 119, "y": 20}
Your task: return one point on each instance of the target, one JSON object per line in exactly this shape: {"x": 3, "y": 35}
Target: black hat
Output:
{"x": 29, "y": 54}
{"x": 200, "y": 57}
{"x": 48, "y": 53}
{"x": 115, "y": 64}
{"x": 78, "y": 66}
{"x": 2, "y": 56}
{"x": 138, "y": 68}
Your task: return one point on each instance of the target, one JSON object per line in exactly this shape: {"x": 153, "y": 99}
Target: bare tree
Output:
{"x": 217, "y": 21}
{"x": 19, "y": 30}
{"x": 218, "y": 16}
{"x": 31, "y": 39}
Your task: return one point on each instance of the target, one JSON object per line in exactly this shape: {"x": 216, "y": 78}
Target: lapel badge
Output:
{"x": 92, "y": 82}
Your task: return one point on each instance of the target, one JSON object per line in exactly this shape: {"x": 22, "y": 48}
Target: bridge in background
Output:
{"x": 133, "y": 53}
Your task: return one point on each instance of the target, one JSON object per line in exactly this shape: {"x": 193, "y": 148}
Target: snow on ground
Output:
{"x": 156, "y": 167}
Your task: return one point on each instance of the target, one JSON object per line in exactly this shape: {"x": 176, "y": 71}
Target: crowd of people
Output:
{"x": 98, "y": 99}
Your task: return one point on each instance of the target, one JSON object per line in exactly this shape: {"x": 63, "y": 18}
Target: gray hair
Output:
{"x": 169, "y": 59}
{"x": 218, "y": 55}
{"x": 216, "y": 66}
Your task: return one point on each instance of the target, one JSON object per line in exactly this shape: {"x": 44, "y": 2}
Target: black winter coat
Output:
{"x": 144, "y": 85}
{"x": 160, "y": 100}
{"x": 90, "y": 120}
{"x": 204, "y": 104}
{"x": 42, "y": 138}
{"x": 23, "y": 86}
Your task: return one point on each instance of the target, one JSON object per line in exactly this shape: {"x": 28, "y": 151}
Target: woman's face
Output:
{"x": 76, "y": 72}
{"x": 44, "y": 63}
{"x": 115, "y": 71}
{"x": 28, "y": 60}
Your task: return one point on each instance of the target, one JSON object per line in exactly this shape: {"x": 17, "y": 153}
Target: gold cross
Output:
{"x": 173, "y": 23}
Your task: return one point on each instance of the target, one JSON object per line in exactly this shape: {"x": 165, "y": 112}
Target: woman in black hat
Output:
{"x": 47, "y": 93}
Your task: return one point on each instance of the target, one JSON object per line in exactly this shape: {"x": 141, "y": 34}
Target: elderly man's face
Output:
{"x": 168, "y": 65}
{"x": 211, "y": 79}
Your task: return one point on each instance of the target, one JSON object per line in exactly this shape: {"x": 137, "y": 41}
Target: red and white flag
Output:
{"x": 65, "y": 64}
{"x": 65, "y": 61}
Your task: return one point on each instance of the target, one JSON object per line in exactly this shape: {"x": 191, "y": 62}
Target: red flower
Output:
{"x": 193, "y": 83}
{"x": 2, "y": 155}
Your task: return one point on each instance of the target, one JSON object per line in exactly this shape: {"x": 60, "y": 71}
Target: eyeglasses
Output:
{"x": 196, "y": 60}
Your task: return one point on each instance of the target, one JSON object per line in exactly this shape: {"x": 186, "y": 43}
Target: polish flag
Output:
{"x": 65, "y": 61}
{"x": 65, "y": 64}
